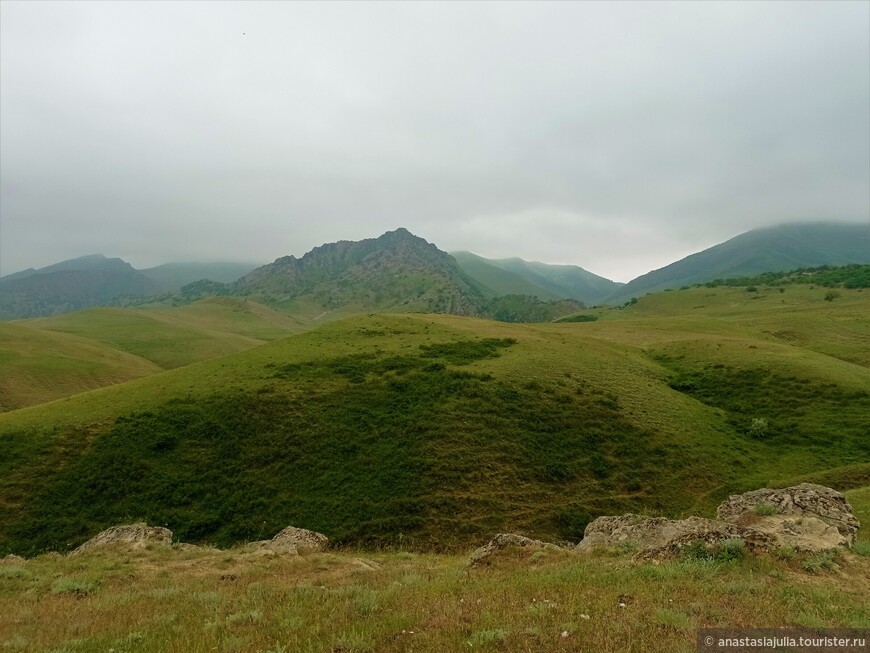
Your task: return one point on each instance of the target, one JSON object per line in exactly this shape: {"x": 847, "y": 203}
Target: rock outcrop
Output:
{"x": 503, "y": 541}
{"x": 12, "y": 559}
{"x": 817, "y": 502}
{"x": 292, "y": 540}
{"x": 133, "y": 535}
{"x": 805, "y": 517}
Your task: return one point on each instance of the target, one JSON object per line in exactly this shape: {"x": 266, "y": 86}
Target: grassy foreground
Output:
{"x": 210, "y": 600}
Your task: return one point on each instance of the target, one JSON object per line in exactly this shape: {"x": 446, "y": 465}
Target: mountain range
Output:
{"x": 399, "y": 271}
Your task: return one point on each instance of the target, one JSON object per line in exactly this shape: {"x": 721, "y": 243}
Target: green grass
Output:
{"x": 431, "y": 432}
{"x": 859, "y": 499}
{"x": 40, "y": 365}
{"x": 51, "y": 358}
{"x": 173, "y": 337}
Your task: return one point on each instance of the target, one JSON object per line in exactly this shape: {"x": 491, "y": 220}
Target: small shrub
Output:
{"x": 14, "y": 572}
{"x": 823, "y": 561}
{"x": 758, "y": 427}
{"x": 831, "y": 295}
{"x": 861, "y": 548}
{"x": 765, "y": 509}
{"x": 483, "y": 637}
{"x": 731, "y": 550}
{"x": 72, "y": 586}
{"x": 751, "y": 289}
{"x": 626, "y": 547}
{"x": 786, "y": 553}
{"x": 727, "y": 551}
{"x": 672, "y": 619}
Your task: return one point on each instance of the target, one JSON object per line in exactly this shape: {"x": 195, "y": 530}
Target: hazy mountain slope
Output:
{"x": 498, "y": 281}
{"x": 71, "y": 285}
{"x": 515, "y": 276}
{"x": 435, "y": 431}
{"x": 773, "y": 249}
{"x": 172, "y": 276}
{"x": 565, "y": 280}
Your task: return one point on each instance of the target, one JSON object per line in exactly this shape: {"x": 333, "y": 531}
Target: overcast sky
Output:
{"x": 615, "y": 136}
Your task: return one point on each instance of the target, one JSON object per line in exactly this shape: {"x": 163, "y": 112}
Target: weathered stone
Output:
{"x": 805, "y": 499}
{"x": 641, "y": 532}
{"x": 803, "y": 533}
{"x": 12, "y": 559}
{"x": 503, "y": 541}
{"x": 710, "y": 532}
{"x": 134, "y": 535}
{"x": 303, "y": 540}
{"x": 807, "y": 518}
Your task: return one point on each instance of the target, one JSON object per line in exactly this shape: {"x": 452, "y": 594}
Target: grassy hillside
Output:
{"x": 51, "y": 358}
{"x": 173, "y": 337}
{"x": 40, "y": 365}
{"x": 432, "y": 431}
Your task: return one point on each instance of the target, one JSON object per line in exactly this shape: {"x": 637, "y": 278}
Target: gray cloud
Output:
{"x": 616, "y": 136}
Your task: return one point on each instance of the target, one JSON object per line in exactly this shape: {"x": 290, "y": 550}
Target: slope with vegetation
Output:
{"x": 773, "y": 249}
{"x": 433, "y": 431}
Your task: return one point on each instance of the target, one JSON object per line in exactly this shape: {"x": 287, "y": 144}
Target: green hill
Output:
{"x": 40, "y": 365}
{"x": 49, "y": 358}
{"x": 774, "y": 249}
{"x": 435, "y": 431}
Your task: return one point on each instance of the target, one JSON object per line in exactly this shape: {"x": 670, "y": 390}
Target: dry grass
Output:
{"x": 209, "y": 600}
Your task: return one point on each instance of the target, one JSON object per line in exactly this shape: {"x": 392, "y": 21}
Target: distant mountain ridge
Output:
{"x": 396, "y": 270}
{"x": 96, "y": 280}
{"x": 399, "y": 271}
{"x": 71, "y": 285}
{"x": 771, "y": 249}
{"x": 544, "y": 280}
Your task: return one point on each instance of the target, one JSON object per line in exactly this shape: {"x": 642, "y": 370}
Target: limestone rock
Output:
{"x": 642, "y": 532}
{"x": 806, "y": 499}
{"x": 303, "y": 540}
{"x": 135, "y": 535}
{"x": 293, "y": 541}
{"x": 502, "y": 541}
{"x": 12, "y": 559}
{"x": 710, "y": 532}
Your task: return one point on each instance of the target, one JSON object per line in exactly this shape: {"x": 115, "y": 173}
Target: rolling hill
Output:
{"x": 773, "y": 249}
{"x": 435, "y": 431}
{"x": 50, "y": 358}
